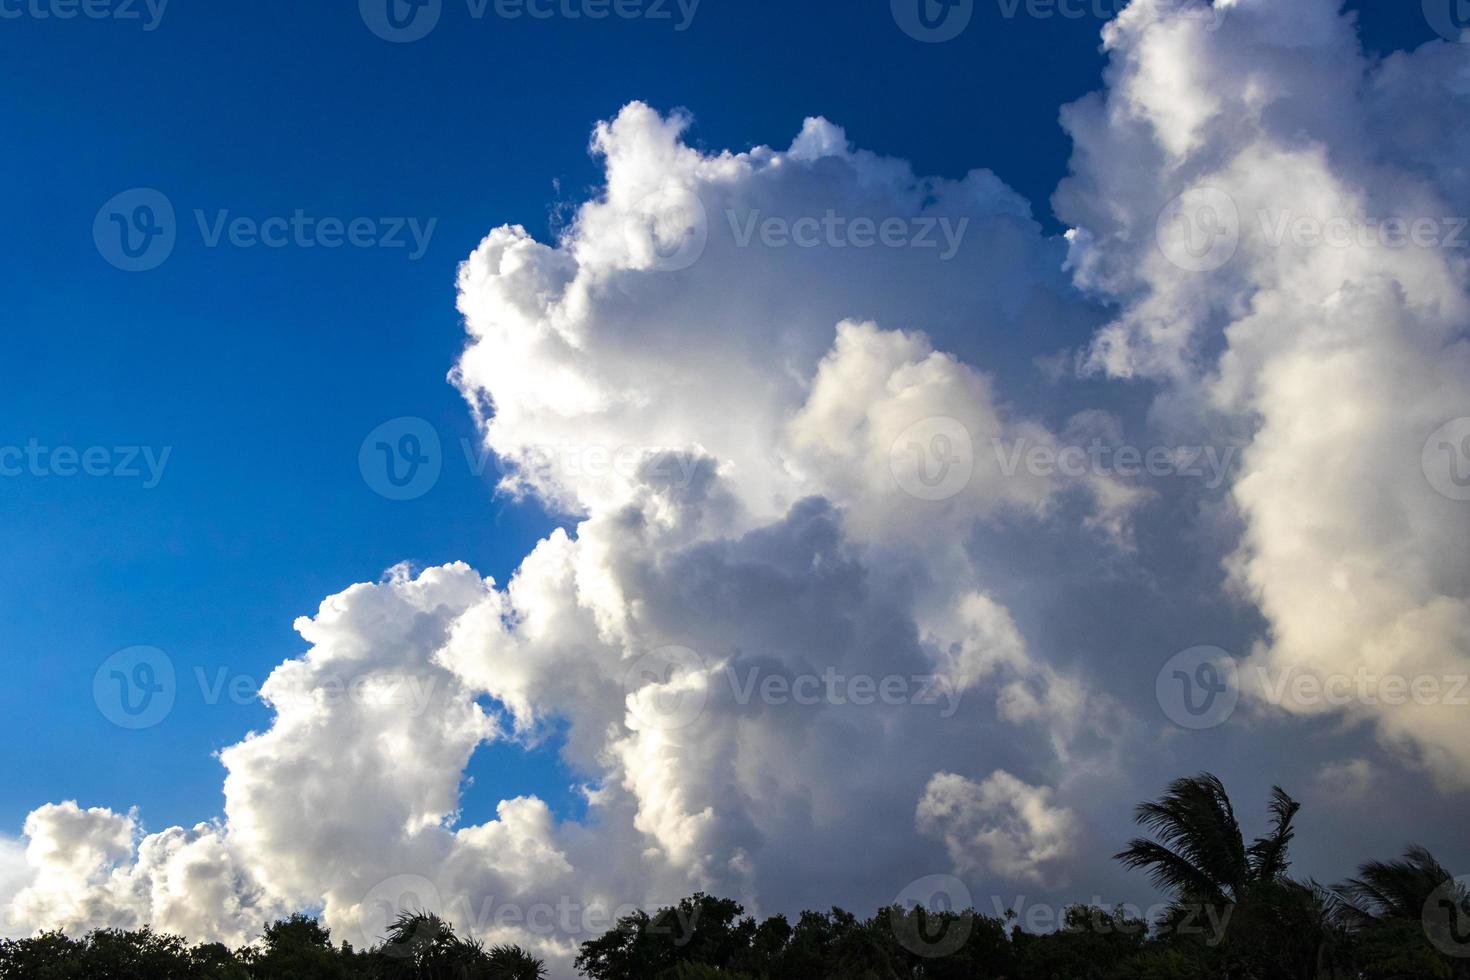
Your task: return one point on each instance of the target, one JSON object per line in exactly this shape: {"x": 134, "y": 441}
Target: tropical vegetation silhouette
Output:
{"x": 1235, "y": 913}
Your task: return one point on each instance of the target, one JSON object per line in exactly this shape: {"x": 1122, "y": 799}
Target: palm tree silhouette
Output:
{"x": 1277, "y": 927}
{"x": 1404, "y": 913}
{"x": 422, "y": 946}
{"x": 514, "y": 963}
{"x": 1399, "y": 889}
{"x": 1199, "y": 854}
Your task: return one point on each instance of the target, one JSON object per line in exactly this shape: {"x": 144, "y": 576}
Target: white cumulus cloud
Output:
{"x": 1310, "y": 299}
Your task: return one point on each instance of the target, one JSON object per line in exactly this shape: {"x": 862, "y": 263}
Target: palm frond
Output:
{"x": 1195, "y": 821}
{"x": 1268, "y": 853}
{"x": 1169, "y": 871}
{"x": 1394, "y": 889}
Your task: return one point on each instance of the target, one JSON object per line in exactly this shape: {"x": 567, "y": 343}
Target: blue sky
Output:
{"x": 261, "y": 370}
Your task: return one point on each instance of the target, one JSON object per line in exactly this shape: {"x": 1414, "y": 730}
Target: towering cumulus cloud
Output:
{"x": 1284, "y": 227}
{"x": 779, "y": 399}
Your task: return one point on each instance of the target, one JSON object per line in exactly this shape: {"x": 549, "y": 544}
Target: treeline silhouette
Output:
{"x": 1235, "y": 914}
{"x": 418, "y": 945}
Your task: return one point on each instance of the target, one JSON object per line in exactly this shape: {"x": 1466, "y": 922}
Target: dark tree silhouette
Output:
{"x": 1200, "y": 854}
{"x": 1232, "y": 900}
{"x": 1393, "y": 889}
{"x": 1393, "y": 908}
{"x": 422, "y": 946}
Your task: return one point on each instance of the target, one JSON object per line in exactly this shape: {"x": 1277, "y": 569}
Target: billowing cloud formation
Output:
{"x": 773, "y": 467}
{"x": 91, "y": 871}
{"x": 778, "y": 397}
{"x": 1000, "y": 825}
{"x": 1284, "y": 230}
